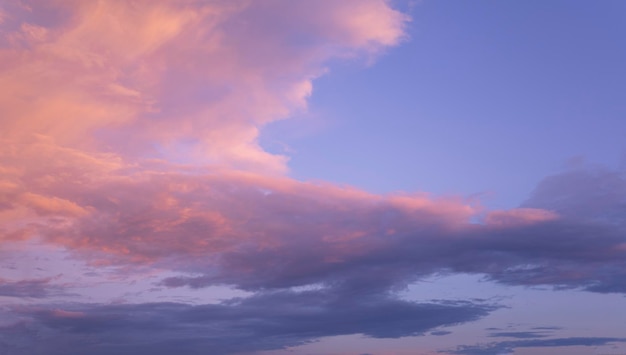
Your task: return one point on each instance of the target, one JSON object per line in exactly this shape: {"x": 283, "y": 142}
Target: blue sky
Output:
{"x": 483, "y": 97}
{"x": 309, "y": 177}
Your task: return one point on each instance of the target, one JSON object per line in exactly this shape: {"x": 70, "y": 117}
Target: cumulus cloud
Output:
{"x": 192, "y": 80}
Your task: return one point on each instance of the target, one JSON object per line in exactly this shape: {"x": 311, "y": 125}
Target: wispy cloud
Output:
{"x": 508, "y": 347}
{"x": 39, "y": 288}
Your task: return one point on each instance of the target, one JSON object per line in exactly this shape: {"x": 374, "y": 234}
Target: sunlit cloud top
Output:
{"x": 190, "y": 81}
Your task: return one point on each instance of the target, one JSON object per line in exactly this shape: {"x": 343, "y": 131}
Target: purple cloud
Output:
{"x": 39, "y": 288}
{"x": 508, "y": 347}
{"x": 261, "y": 322}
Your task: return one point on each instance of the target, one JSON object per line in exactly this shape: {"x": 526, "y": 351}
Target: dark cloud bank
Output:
{"x": 264, "y": 321}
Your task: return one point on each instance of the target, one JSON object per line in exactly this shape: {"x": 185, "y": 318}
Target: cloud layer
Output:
{"x": 260, "y": 232}
{"x": 261, "y": 322}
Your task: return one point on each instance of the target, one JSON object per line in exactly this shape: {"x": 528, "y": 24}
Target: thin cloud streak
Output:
{"x": 39, "y": 288}
{"x": 508, "y": 347}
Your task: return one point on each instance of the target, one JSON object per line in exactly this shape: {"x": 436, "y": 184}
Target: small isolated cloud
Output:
{"x": 440, "y": 332}
{"x": 546, "y": 328}
{"x": 519, "y": 335}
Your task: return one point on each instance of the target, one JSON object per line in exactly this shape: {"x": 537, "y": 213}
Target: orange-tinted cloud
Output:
{"x": 254, "y": 231}
{"x": 191, "y": 80}
{"x": 519, "y": 216}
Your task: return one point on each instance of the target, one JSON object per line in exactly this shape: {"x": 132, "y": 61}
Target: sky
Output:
{"x": 312, "y": 177}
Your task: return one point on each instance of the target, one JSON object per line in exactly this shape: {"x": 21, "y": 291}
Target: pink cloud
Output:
{"x": 195, "y": 76}
{"x": 253, "y": 231}
{"x": 519, "y": 216}
{"x": 59, "y": 313}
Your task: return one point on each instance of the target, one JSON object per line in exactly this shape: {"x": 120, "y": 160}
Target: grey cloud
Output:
{"x": 571, "y": 252}
{"x": 254, "y": 233}
{"x": 507, "y": 347}
{"x": 261, "y": 322}
{"x": 440, "y": 332}
{"x": 39, "y": 288}
{"x": 520, "y": 335}
{"x": 595, "y": 194}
